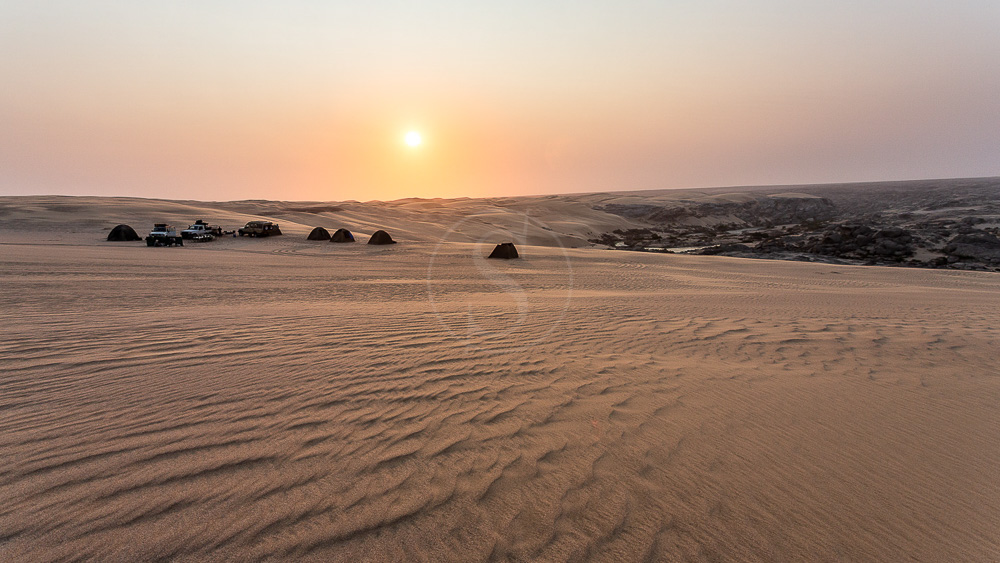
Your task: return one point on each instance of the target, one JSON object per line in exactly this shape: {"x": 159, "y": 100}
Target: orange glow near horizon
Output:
{"x": 315, "y": 102}
{"x": 365, "y": 156}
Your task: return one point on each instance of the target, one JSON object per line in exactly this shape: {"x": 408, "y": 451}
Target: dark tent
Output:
{"x": 504, "y": 250}
{"x": 342, "y": 235}
{"x": 123, "y": 233}
{"x": 381, "y": 237}
{"x": 319, "y": 233}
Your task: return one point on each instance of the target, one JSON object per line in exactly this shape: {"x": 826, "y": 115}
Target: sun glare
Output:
{"x": 413, "y": 138}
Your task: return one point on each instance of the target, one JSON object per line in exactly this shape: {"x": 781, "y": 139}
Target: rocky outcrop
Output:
{"x": 980, "y": 246}
{"x": 782, "y": 209}
{"x": 859, "y": 242}
{"x": 761, "y": 211}
{"x": 633, "y": 239}
{"x": 951, "y": 224}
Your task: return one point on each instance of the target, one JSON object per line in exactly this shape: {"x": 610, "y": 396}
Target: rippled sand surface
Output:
{"x": 247, "y": 400}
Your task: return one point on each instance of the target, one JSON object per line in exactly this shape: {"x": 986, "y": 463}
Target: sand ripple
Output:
{"x": 680, "y": 409}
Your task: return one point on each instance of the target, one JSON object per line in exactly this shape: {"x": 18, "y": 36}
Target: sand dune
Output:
{"x": 544, "y": 221}
{"x": 279, "y": 398}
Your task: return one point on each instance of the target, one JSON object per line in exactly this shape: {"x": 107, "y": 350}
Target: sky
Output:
{"x": 312, "y": 99}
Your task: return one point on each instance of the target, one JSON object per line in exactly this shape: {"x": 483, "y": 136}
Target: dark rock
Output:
{"x": 976, "y": 246}
{"x": 890, "y": 232}
{"x": 723, "y": 249}
{"x": 833, "y": 238}
{"x": 889, "y": 244}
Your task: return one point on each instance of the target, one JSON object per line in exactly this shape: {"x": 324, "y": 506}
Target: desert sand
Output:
{"x": 280, "y": 398}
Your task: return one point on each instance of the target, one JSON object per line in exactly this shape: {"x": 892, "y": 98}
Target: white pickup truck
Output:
{"x": 163, "y": 235}
{"x": 201, "y": 231}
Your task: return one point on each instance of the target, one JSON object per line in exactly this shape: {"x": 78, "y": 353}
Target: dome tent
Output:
{"x": 342, "y": 235}
{"x": 319, "y": 233}
{"x": 123, "y": 233}
{"x": 504, "y": 250}
{"x": 381, "y": 237}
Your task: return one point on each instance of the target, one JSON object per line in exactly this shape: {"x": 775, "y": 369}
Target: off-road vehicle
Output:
{"x": 260, "y": 229}
{"x": 163, "y": 235}
{"x": 201, "y": 231}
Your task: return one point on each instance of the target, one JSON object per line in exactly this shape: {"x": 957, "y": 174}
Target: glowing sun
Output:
{"x": 413, "y": 138}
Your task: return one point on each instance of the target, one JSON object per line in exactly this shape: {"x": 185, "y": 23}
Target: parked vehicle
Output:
{"x": 260, "y": 229}
{"x": 164, "y": 235}
{"x": 201, "y": 231}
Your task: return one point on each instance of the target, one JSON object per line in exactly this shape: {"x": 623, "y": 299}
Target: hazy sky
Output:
{"x": 219, "y": 99}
